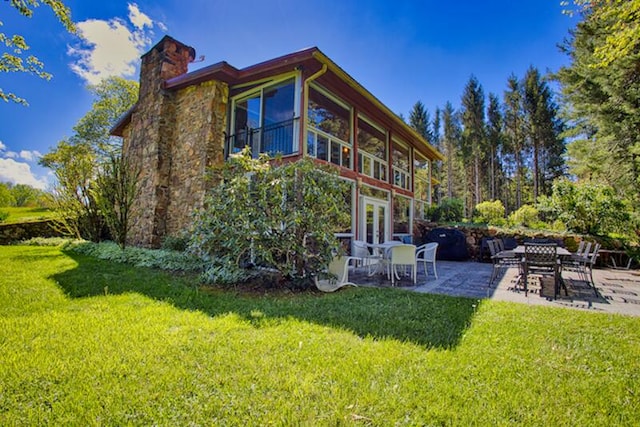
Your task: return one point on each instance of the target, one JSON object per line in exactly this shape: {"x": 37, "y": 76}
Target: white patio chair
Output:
{"x": 360, "y": 251}
{"x": 404, "y": 255}
{"x": 338, "y": 271}
{"x": 427, "y": 254}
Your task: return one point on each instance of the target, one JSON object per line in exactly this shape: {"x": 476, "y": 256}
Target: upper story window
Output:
{"x": 401, "y": 161}
{"x": 372, "y": 150}
{"x": 422, "y": 184}
{"x": 264, "y": 119}
{"x": 328, "y": 128}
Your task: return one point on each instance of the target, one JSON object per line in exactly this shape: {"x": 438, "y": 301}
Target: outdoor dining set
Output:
{"x": 393, "y": 258}
{"x": 544, "y": 260}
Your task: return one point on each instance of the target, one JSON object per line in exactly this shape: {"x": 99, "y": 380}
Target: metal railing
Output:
{"x": 273, "y": 139}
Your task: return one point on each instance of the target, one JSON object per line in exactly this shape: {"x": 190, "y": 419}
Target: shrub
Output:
{"x": 282, "y": 217}
{"x": 449, "y": 210}
{"x": 526, "y": 216}
{"x": 587, "y": 208}
{"x": 489, "y": 212}
{"x": 176, "y": 243}
{"x": 3, "y": 215}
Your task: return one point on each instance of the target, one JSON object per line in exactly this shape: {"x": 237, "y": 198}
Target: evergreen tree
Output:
{"x": 494, "y": 143}
{"x": 543, "y": 130}
{"x": 420, "y": 121}
{"x": 515, "y": 142}
{"x": 601, "y": 85}
{"x": 473, "y": 136}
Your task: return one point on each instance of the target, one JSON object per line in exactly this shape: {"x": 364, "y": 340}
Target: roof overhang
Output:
{"x": 307, "y": 59}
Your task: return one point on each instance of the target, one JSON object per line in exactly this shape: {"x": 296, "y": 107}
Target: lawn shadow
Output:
{"x": 432, "y": 321}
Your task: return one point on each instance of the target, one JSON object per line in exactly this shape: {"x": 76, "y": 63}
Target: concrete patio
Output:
{"x": 618, "y": 291}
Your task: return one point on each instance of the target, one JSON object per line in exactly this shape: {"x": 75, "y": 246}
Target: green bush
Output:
{"x": 587, "y": 208}
{"x": 449, "y": 210}
{"x": 176, "y": 243}
{"x": 282, "y": 217}
{"x": 489, "y": 212}
{"x": 526, "y": 216}
{"x": 3, "y": 215}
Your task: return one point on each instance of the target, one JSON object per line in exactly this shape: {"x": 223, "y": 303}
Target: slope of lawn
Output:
{"x": 87, "y": 342}
{"x": 26, "y": 214}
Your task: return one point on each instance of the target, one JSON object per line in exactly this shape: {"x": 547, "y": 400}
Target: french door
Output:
{"x": 375, "y": 220}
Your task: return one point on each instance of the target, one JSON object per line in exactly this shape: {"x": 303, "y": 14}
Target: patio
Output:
{"x": 618, "y": 290}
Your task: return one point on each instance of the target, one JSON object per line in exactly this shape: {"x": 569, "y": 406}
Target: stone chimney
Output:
{"x": 152, "y": 135}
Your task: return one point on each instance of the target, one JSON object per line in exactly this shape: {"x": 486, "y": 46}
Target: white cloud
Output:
{"x": 112, "y": 47}
{"x": 137, "y": 18}
{"x": 20, "y": 173}
{"x": 11, "y": 154}
{"x": 2, "y": 146}
{"x": 30, "y": 156}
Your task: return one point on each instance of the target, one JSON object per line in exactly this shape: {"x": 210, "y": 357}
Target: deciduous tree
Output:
{"x": 14, "y": 57}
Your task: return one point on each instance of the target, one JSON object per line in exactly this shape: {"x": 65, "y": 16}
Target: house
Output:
{"x": 300, "y": 104}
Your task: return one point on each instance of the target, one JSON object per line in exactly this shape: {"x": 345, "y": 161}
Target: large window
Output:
{"x": 264, "y": 120}
{"x": 372, "y": 150}
{"x": 401, "y": 161}
{"x": 422, "y": 184}
{"x": 402, "y": 225}
{"x": 328, "y": 131}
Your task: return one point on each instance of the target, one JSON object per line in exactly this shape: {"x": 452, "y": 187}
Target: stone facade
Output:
{"x": 172, "y": 138}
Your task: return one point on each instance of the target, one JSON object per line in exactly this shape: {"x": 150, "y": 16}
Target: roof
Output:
{"x": 310, "y": 59}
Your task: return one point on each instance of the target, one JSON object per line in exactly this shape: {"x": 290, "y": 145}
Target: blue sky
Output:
{"x": 401, "y": 51}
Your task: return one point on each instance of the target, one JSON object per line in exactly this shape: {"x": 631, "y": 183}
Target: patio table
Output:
{"x": 560, "y": 253}
{"x": 383, "y": 249}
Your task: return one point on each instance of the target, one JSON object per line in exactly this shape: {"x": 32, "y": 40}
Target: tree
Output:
{"x": 112, "y": 97}
{"x": 600, "y": 87}
{"x": 515, "y": 142}
{"x": 543, "y": 129}
{"x": 451, "y": 140}
{"x": 420, "y": 121}
{"x": 89, "y": 159}
{"x": 494, "y": 142}
{"x": 473, "y": 135}
{"x": 277, "y": 216}
{"x": 74, "y": 165}
{"x": 14, "y": 59}
{"x": 115, "y": 191}
{"x": 26, "y": 195}
{"x": 6, "y": 197}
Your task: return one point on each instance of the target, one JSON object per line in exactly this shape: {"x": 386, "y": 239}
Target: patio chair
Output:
{"x": 427, "y": 254}
{"x": 404, "y": 255}
{"x": 361, "y": 252}
{"x": 338, "y": 272}
{"x": 502, "y": 259}
{"x": 591, "y": 262}
{"x": 577, "y": 262}
{"x": 541, "y": 259}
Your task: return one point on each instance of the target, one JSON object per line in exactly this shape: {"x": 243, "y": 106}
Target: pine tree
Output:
{"x": 420, "y": 121}
{"x": 515, "y": 142}
{"x": 494, "y": 143}
{"x": 474, "y": 134}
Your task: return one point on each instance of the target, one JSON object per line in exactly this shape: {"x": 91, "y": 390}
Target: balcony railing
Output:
{"x": 274, "y": 139}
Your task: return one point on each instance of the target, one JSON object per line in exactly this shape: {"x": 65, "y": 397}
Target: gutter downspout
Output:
{"x": 305, "y": 106}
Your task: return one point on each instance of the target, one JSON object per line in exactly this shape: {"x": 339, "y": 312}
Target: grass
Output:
{"x": 88, "y": 342}
{"x": 26, "y": 214}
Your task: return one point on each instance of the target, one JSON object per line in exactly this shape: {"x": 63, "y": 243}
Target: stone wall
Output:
{"x": 200, "y": 122}
{"x": 474, "y": 236}
{"x": 10, "y": 233}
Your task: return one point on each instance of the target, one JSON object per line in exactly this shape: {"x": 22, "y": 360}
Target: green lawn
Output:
{"x": 87, "y": 342}
{"x": 25, "y": 214}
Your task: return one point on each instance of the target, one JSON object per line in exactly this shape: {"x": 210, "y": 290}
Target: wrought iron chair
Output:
{"x": 541, "y": 259}
{"x": 502, "y": 259}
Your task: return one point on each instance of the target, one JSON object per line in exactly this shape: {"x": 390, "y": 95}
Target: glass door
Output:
{"x": 375, "y": 220}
